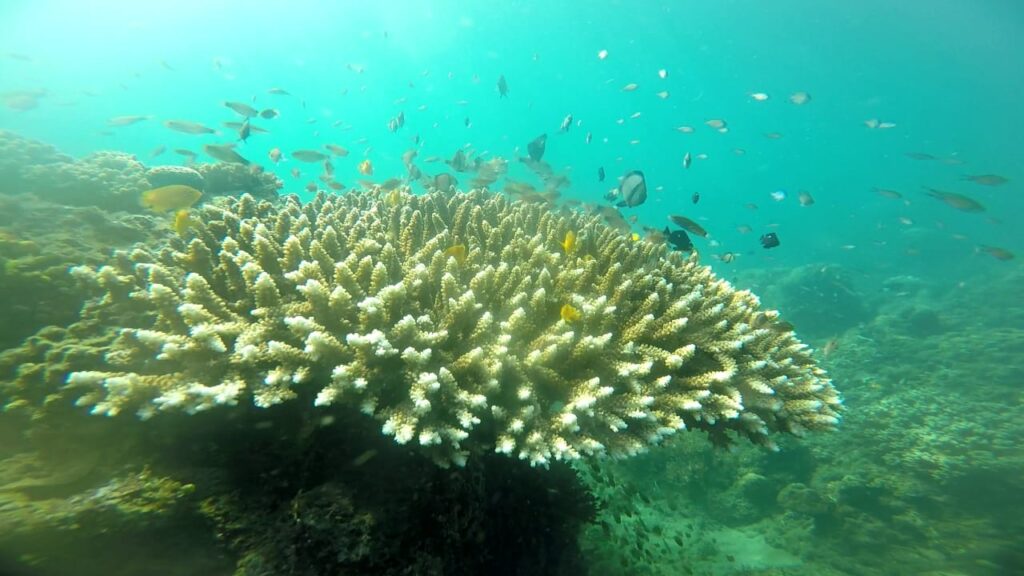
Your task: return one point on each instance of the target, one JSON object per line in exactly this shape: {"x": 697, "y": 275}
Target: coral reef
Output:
{"x": 108, "y": 180}
{"x": 820, "y": 300}
{"x": 17, "y": 153}
{"x": 39, "y": 242}
{"x": 158, "y": 176}
{"x": 227, "y": 179}
{"x": 439, "y": 316}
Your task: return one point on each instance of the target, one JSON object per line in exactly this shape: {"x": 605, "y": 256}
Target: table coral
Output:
{"x": 363, "y": 301}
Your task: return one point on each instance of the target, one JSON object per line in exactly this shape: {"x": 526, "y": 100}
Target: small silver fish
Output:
{"x": 566, "y": 123}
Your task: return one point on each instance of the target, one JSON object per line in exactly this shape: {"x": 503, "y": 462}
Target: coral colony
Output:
{"x": 444, "y": 317}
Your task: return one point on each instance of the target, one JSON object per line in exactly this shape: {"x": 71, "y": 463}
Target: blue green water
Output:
{"x": 947, "y": 74}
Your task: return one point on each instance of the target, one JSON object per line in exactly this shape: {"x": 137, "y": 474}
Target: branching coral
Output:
{"x": 439, "y": 315}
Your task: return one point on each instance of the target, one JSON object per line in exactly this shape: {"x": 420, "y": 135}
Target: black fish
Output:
{"x": 600, "y": 174}
{"x": 502, "y": 87}
{"x": 770, "y": 240}
{"x": 695, "y": 197}
{"x": 679, "y": 240}
{"x": 536, "y": 147}
{"x": 633, "y": 189}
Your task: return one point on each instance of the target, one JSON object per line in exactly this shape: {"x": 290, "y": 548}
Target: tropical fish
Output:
{"x": 237, "y": 127}
{"x": 168, "y": 198}
{"x": 182, "y": 222}
{"x": 716, "y": 123}
{"x": 225, "y": 153}
{"x": 126, "y": 120}
{"x": 632, "y": 86}
{"x": 336, "y": 150}
{"x": 269, "y": 113}
{"x": 600, "y": 173}
{"x": 243, "y": 109}
{"x": 569, "y": 313}
{"x": 770, "y": 240}
{"x": 685, "y": 129}
{"x": 662, "y": 73}
{"x": 365, "y": 167}
{"x": 459, "y": 161}
{"x": 188, "y": 127}
{"x": 244, "y": 131}
{"x": 458, "y": 252}
{"x": 987, "y": 179}
{"x": 569, "y": 242}
{"x": 445, "y": 181}
{"x": 566, "y": 124}
{"x": 684, "y": 222}
{"x": 502, "y": 87}
{"x": 687, "y": 160}
{"x": 664, "y": 94}
{"x": 274, "y": 155}
{"x": 602, "y": 54}
{"x": 830, "y": 347}
{"x": 535, "y": 149}
{"x": 919, "y": 156}
{"x": 278, "y": 92}
{"x": 759, "y": 96}
{"x": 778, "y": 195}
{"x": 800, "y": 98}
{"x": 805, "y": 198}
{"x": 996, "y": 252}
{"x": 308, "y": 156}
{"x": 678, "y": 239}
{"x": 695, "y": 197}
{"x": 633, "y": 189}
{"x": 892, "y": 194}
{"x": 954, "y": 200}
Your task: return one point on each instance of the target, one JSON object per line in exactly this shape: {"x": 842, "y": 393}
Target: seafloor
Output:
{"x": 924, "y": 476}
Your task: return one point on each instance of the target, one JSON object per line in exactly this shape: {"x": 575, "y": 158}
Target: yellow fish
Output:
{"x": 569, "y": 313}
{"x": 570, "y": 241}
{"x": 182, "y": 222}
{"x": 167, "y": 198}
{"x": 458, "y": 252}
{"x": 394, "y": 198}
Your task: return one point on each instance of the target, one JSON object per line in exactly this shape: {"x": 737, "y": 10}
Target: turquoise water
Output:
{"x": 946, "y": 73}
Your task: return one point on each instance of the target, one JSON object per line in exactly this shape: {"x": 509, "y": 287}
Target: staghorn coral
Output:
{"x": 360, "y": 301}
